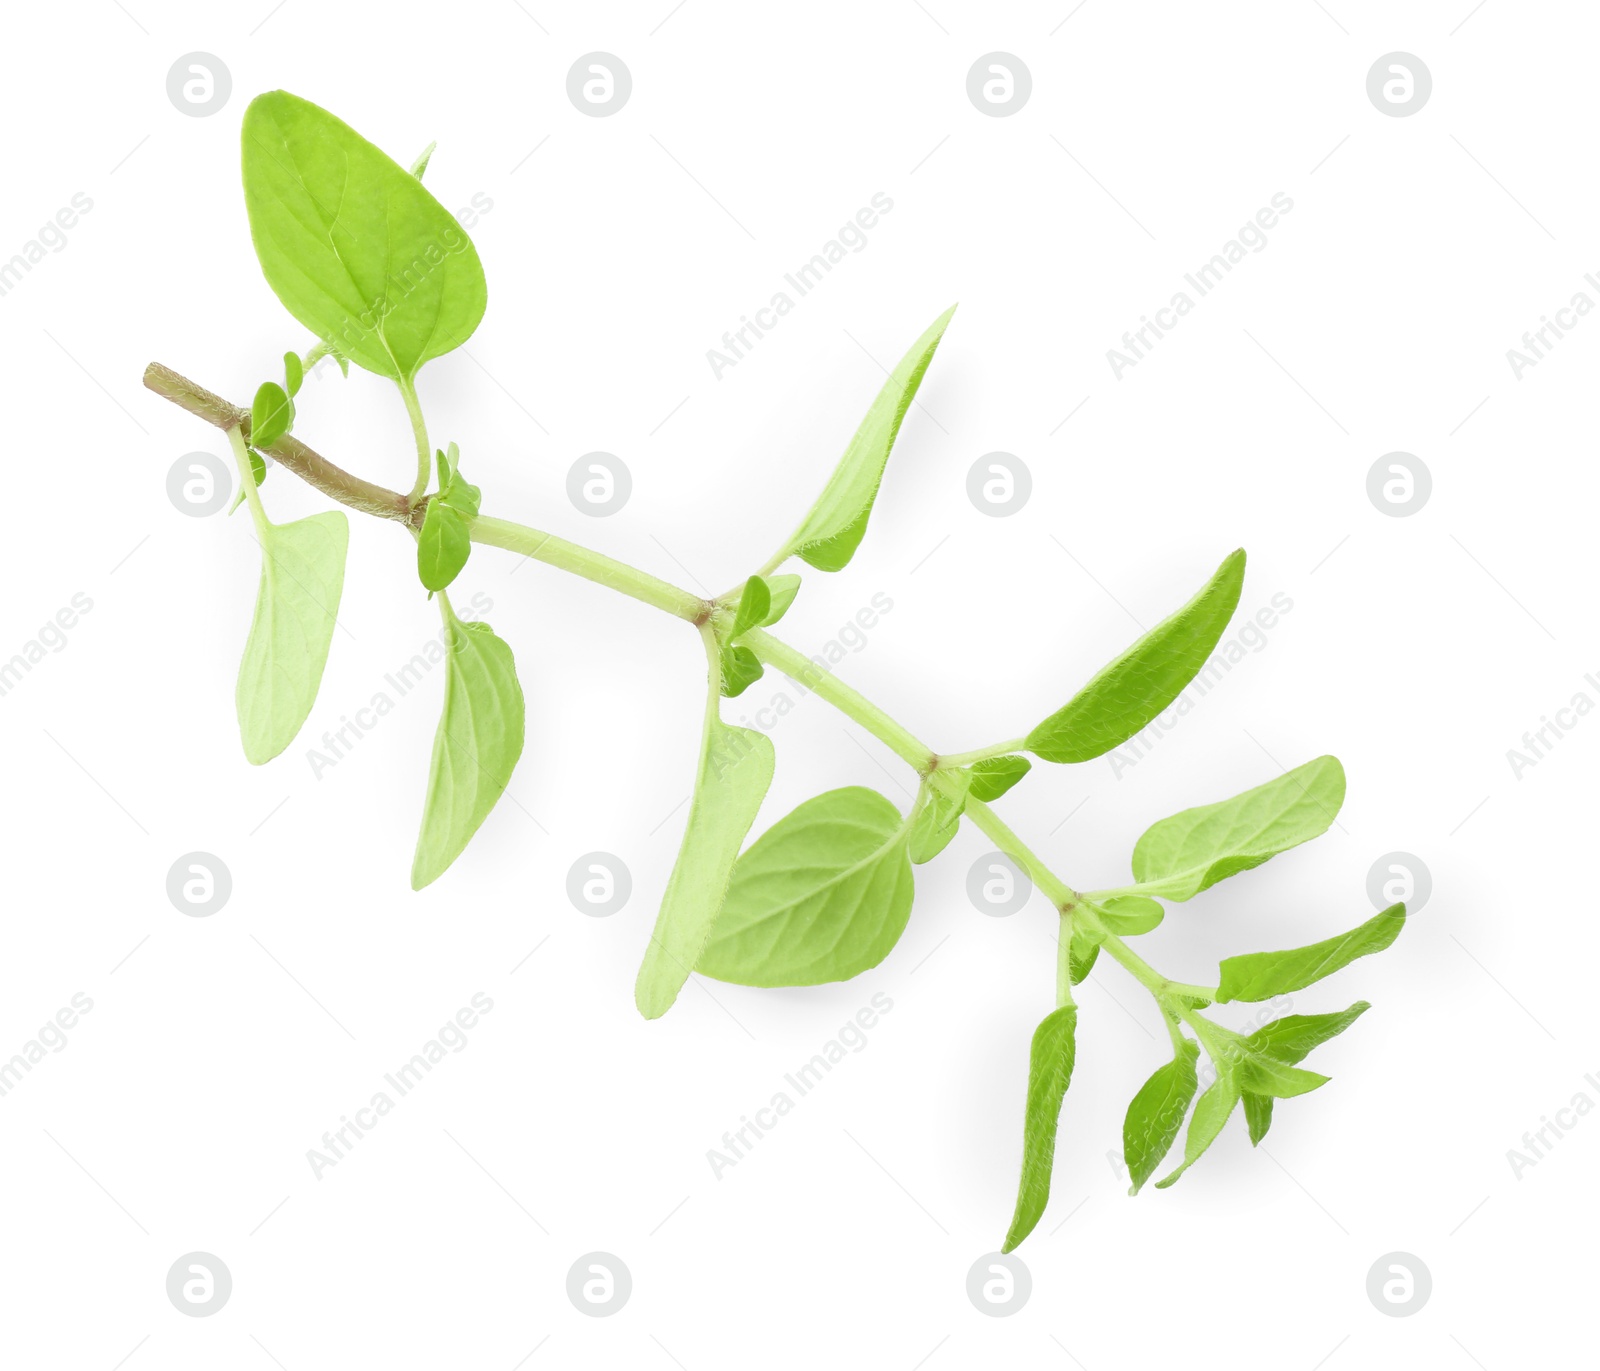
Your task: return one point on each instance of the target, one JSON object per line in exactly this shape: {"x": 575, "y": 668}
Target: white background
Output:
{"x": 1419, "y": 650}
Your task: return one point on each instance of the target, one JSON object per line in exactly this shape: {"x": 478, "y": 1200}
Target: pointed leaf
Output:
{"x": 1292, "y": 1038}
{"x": 993, "y": 776}
{"x": 822, "y": 895}
{"x": 1211, "y": 1112}
{"x": 1050, "y": 1062}
{"x": 1156, "y": 1114}
{"x": 1082, "y": 952}
{"x": 1183, "y": 855}
{"x": 735, "y": 770}
{"x": 1261, "y": 975}
{"x": 1263, "y": 1076}
{"x": 1127, "y": 695}
{"x": 420, "y": 166}
{"x": 293, "y": 373}
{"x": 475, "y": 749}
{"x": 354, "y": 246}
{"x": 443, "y": 545}
{"x": 833, "y": 529}
{"x": 302, "y": 577}
{"x": 754, "y": 605}
{"x": 1258, "y": 1115}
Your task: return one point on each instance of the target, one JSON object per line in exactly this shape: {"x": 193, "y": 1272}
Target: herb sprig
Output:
{"x": 363, "y": 255}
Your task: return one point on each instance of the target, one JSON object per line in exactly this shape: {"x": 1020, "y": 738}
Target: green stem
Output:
{"x": 805, "y": 672}
{"x": 1171, "y": 996}
{"x": 419, "y": 430}
{"x": 1064, "y": 961}
{"x": 591, "y": 565}
{"x": 1057, "y": 891}
{"x": 241, "y": 459}
{"x": 952, "y": 760}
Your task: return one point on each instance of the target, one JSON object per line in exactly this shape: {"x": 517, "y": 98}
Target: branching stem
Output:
{"x": 1175, "y": 999}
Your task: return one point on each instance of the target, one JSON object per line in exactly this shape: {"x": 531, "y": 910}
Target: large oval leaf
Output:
{"x": 1125, "y": 696}
{"x": 302, "y": 577}
{"x": 355, "y": 247}
{"x": 475, "y": 749}
{"x": 735, "y": 770}
{"x": 822, "y": 895}
{"x": 1180, "y": 856}
{"x": 833, "y": 529}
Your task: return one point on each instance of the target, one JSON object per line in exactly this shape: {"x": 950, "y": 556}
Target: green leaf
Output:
{"x": 258, "y": 466}
{"x": 782, "y": 590}
{"x": 293, "y": 373}
{"x": 1180, "y": 856}
{"x": 831, "y": 532}
{"x": 420, "y": 166}
{"x": 1211, "y": 1112}
{"x": 1261, "y": 975}
{"x": 302, "y": 577}
{"x": 1050, "y": 1061}
{"x": 443, "y": 545}
{"x": 271, "y": 414}
{"x": 1263, "y": 1076}
{"x": 353, "y": 245}
{"x": 822, "y": 895}
{"x": 754, "y": 605}
{"x": 993, "y": 776}
{"x": 476, "y": 747}
{"x": 1125, "y": 696}
{"x": 1156, "y": 1114}
{"x": 938, "y": 821}
{"x": 1292, "y": 1038}
{"x": 735, "y": 770}
{"x": 1258, "y": 1115}
{"x": 741, "y": 669}
{"x": 1082, "y": 952}
{"x": 1130, "y": 915}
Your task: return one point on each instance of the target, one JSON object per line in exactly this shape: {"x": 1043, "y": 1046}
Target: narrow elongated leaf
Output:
{"x": 271, "y": 414}
{"x": 475, "y": 749}
{"x": 822, "y": 895}
{"x": 1211, "y": 1112}
{"x": 1130, "y": 915}
{"x": 735, "y": 770}
{"x": 1049, "y": 1073}
{"x": 302, "y": 577}
{"x": 1287, "y": 1041}
{"x": 1126, "y": 695}
{"x": 1263, "y": 1076}
{"x": 420, "y": 166}
{"x": 1180, "y": 856}
{"x": 1156, "y": 1113}
{"x": 1261, "y": 975}
{"x": 1292, "y": 1038}
{"x": 993, "y": 776}
{"x": 1258, "y": 1116}
{"x": 293, "y": 373}
{"x": 356, "y": 248}
{"x": 831, "y": 532}
{"x": 443, "y": 545}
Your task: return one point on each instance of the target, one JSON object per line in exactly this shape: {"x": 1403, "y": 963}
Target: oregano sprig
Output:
{"x": 362, "y": 254}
